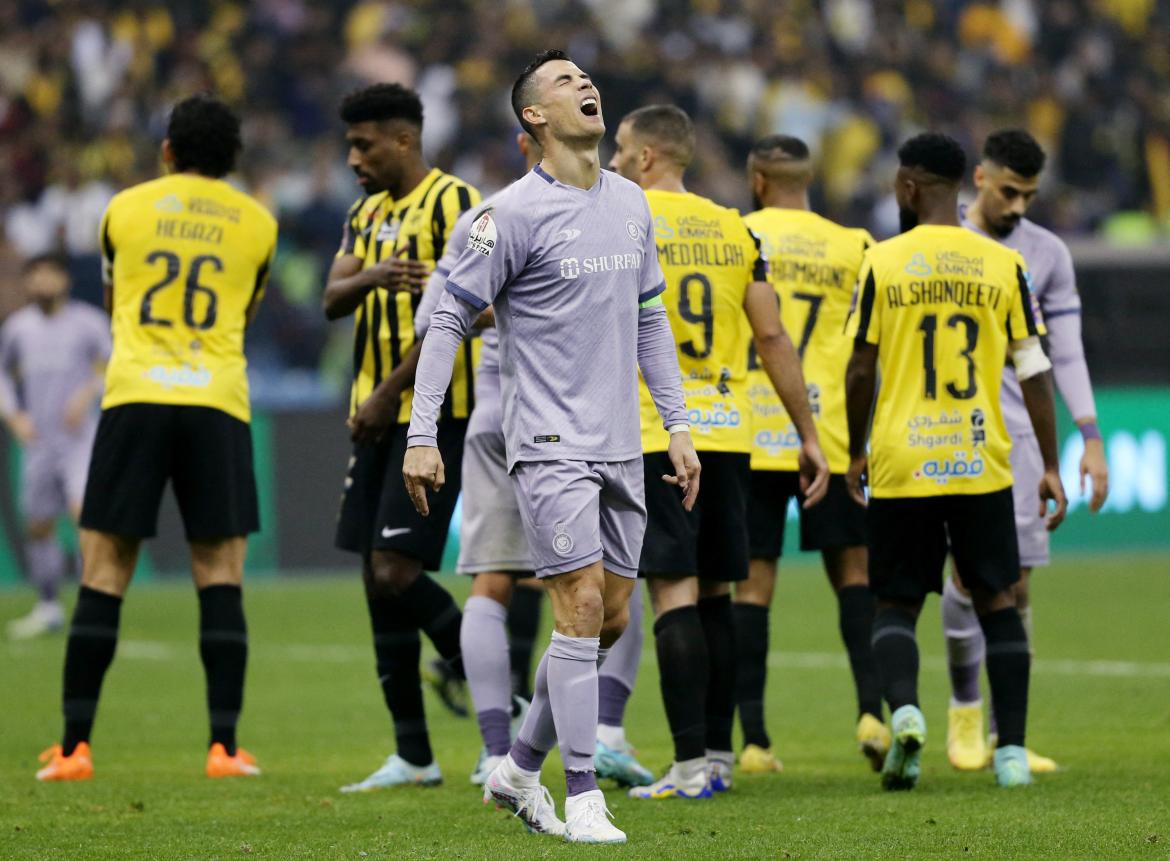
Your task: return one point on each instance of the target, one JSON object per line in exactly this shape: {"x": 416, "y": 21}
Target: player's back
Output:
{"x": 813, "y": 264}
{"x": 942, "y": 303}
{"x": 186, "y": 257}
{"x": 708, "y": 257}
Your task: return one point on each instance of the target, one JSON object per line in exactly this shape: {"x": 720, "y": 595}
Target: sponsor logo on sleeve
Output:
{"x": 482, "y": 237}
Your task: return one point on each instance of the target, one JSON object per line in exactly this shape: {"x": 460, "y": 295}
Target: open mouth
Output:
{"x": 589, "y": 106}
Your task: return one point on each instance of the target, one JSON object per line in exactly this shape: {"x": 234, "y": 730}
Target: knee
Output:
{"x": 613, "y": 627}
{"x": 992, "y": 602}
{"x": 497, "y": 587}
{"x": 1022, "y": 594}
{"x": 388, "y": 575}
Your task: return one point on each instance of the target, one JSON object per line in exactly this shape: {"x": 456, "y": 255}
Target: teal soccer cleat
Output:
{"x": 1011, "y": 766}
{"x": 621, "y": 766}
{"x": 902, "y": 767}
{"x": 396, "y": 771}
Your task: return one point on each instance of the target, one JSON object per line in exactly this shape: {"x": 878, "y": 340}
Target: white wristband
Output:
{"x": 679, "y": 428}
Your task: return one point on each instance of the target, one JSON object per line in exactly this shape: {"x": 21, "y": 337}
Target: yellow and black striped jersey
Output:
{"x": 185, "y": 257}
{"x": 813, "y": 265}
{"x": 942, "y": 304}
{"x": 708, "y": 258}
{"x": 416, "y": 227}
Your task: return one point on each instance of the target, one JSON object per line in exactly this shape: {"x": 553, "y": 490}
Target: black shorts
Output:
{"x": 376, "y": 511}
{"x": 204, "y": 452}
{"x": 836, "y": 521}
{"x": 909, "y": 540}
{"x": 711, "y": 541}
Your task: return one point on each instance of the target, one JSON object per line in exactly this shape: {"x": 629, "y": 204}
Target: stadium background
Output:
{"x": 85, "y": 86}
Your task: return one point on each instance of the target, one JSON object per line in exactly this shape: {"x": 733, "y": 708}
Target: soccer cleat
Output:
{"x": 1038, "y": 764}
{"x": 687, "y": 780}
{"x": 530, "y": 801}
{"x": 77, "y": 766}
{"x": 484, "y": 766}
{"x": 587, "y": 820}
{"x": 450, "y": 689}
{"x": 966, "y": 748}
{"x": 219, "y": 764}
{"x": 902, "y": 767}
{"x": 873, "y": 738}
{"x": 719, "y": 766}
{"x": 46, "y": 617}
{"x": 759, "y": 760}
{"x": 396, "y": 771}
{"x": 621, "y": 766}
{"x": 1011, "y": 766}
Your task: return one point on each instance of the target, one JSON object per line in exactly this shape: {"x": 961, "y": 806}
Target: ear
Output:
{"x": 758, "y": 183}
{"x": 533, "y": 116}
{"x": 980, "y": 176}
{"x": 645, "y": 159}
{"x": 167, "y": 153}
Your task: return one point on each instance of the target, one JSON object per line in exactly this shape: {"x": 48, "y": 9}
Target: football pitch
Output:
{"x": 315, "y": 719}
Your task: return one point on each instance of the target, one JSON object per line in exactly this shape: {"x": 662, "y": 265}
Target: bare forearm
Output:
{"x": 860, "y": 380}
{"x": 344, "y": 294}
{"x": 1038, "y": 398}
{"x": 402, "y": 377}
{"x": 782, "y": 364}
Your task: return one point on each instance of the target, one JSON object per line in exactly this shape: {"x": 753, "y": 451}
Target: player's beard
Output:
{"x": 907, "y": 219}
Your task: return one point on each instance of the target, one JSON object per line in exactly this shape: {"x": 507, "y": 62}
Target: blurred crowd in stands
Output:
{"x": 85, "y": 86}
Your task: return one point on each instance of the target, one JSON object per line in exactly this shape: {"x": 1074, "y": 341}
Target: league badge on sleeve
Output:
{"x": 482, "y": 236}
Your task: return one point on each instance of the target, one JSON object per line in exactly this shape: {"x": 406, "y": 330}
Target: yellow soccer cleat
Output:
{"x": 1038, "y": 764}
{"x": 759, "y": 760}
{"x": 873, "y": 737}
{"x": 966, "y": 748}
{"x": 77, "y": 766}
{"x": 220, "y": 764}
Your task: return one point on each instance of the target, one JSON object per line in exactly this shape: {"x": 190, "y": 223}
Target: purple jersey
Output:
{"x": 45, "y": 359}
{"x": 1054, "y": 285}
{"x": 566, "y": 270}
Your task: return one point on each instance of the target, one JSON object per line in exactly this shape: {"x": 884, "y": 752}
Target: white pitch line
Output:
{"x": 156, "y": 650}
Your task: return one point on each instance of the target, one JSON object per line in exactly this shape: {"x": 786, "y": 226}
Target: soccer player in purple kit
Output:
{"x": 1007, "y": 180}
{"x": 494, "y": 551}
{"x": 566, "y": 256}
{"x": 52, "y": 357}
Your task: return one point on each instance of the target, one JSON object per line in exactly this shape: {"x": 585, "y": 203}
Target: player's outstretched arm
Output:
{"x": 422, "y": 466}
{"x": 781, "y": 362}
{"x": 658, "y": 362}
{"x": 860, "y": 380}
{"x": 1034, "y": 372}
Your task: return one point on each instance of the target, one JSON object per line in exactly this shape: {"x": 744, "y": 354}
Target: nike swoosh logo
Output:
{"x": 568, "y": 235}
{"x": 387, "y": 532}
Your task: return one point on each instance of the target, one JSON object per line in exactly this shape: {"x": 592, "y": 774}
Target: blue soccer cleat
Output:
{"x": 621, "y": 766}
{"x": 1011, "y": 766}
{"x": 902, "y": 768}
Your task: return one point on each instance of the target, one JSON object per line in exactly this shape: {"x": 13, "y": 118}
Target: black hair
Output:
{"x": 522, "y": 95}
{"x": 793, "y": 148}
{"x": 379, "y": 102}
{"x": 934, "y": 153}
{"x": 1016, "y": 150}
{"x": 204, "y": 136}
{"x": 670, "y": 126}
{"x": 54, "y": 259}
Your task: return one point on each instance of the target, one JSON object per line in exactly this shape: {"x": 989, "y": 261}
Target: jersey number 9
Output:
{"x": 705, "y": 316}
{"x": 192, "y": 294}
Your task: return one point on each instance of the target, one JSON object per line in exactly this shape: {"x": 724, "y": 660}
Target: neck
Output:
{"x": 783, "y": 198}
{"x": 414, "y": 173}
{"x": 941, "y": 210}
{"x": 572, "y": 163}
{"x": 49, "y": 307}
{"x": 975, "y": 216}
{"x": 663, "y": 180}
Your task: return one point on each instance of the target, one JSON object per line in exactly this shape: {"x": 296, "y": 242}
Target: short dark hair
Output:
{"x": 204, "y": 136}
{"x": 668, "y": 125}
{"x": 793, "y": 148}
{"x": 379, "y": 102}
{"x": 522, "y": 95}
{"x": 1016, "y": 150}
{"x": 52, "y": 259}
{"x": 934, "y": 153}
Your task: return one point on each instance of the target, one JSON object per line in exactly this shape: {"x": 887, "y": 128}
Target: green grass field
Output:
{"x": 314, "y": 718}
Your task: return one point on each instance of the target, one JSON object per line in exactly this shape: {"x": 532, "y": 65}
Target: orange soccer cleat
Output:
{"x": 219, "y": 764}
{"x": 77, "y": 766}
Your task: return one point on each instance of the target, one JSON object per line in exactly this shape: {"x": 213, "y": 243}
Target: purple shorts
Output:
{"x": 53, "y": 477}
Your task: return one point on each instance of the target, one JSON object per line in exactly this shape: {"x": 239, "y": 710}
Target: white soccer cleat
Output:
{"x": 484, "y": 766}
{"x": 587, "y": 820}
{"x": 523, "y": 794}
{"x": 46, "y": 617}
{"x": 689, "y": 780}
